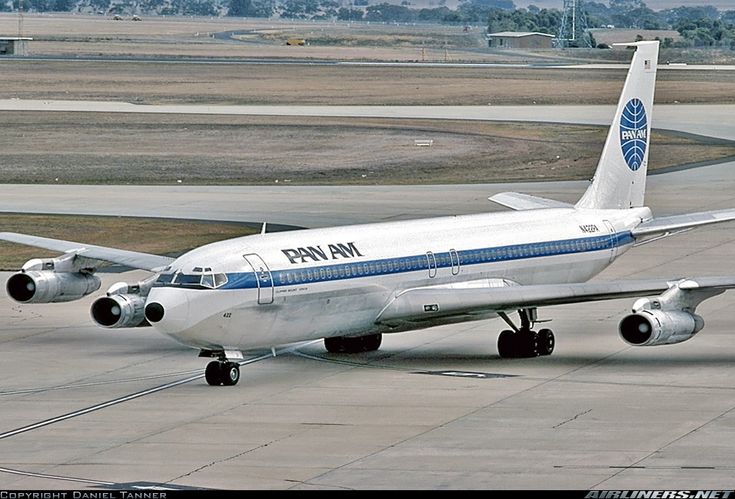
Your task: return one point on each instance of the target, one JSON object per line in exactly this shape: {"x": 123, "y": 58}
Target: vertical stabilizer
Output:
{"x": 620, "y": 178}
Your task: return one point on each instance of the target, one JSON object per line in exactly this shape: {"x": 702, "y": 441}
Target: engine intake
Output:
{"x": 119, "y": 310}
{"x": 46, "y": 286}
{"x": 656, "y": 327}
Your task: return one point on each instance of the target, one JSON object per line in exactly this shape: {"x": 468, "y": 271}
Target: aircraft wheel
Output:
{"x": 358, "y": 344}
{"x": 230, "y": 372}
{"x": 371, "y": 343}
{"x": 335, "y": 344}
{"x": 213, "y": 373}
{"x": 546, "y": 342}
{"x": 529, "y": 344}
{"x": 507, "y": 344}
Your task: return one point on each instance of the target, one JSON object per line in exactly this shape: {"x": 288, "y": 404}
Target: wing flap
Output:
{"x": 131, "y": 259}
{"x": 678, "y": 222}
{"x": 518, "y": 201}
{"x": 426, "y": 304}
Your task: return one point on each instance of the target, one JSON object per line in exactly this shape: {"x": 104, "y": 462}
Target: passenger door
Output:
{"x": 263, "y": 278}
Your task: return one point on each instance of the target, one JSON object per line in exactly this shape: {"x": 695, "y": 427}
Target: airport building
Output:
{"x": 14, "y": 45}
{"x": 519, "y": 40}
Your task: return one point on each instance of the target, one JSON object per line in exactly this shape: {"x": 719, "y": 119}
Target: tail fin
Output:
{"x": 620, "y": 178}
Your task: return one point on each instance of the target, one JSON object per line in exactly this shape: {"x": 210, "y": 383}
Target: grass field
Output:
{"x": 149, "y": 235}
{"x": 347, "y": 85}
{"x": 200, "y": 149}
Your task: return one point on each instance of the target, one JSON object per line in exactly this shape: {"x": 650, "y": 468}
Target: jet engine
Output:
{"x": 124, "y": 305}
{"x": 53, "y": 280}
{"x": 658, "y": 327}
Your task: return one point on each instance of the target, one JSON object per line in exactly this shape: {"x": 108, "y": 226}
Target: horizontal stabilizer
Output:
{"x": 429, "y": 303}
{"x": 131, "y": 259}
{"x": 517, "y": 201}
{"x": 678, "y": 222}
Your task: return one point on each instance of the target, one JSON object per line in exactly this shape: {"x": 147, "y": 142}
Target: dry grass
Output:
{"x": 166, "y": 149}
{"x": 157, "y": 236}
{"x": 306, "y": 84}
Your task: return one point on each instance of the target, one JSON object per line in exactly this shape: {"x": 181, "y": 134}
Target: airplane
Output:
{"x": 349, "y": 285}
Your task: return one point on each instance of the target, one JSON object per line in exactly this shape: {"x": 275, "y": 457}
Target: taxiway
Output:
{"x": 86, "y": 407}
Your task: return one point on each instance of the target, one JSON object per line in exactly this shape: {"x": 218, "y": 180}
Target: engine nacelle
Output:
{"x": 119, "y": 310}
{"x": 658, "y": 327}
{"x": 48, "y": 286}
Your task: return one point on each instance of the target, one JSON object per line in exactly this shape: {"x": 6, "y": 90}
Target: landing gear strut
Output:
{"x": 524, "y": 342}
{"x": 220, "y": 372}
{"x": 357, "y": 344}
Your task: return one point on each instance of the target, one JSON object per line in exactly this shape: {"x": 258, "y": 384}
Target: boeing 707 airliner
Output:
{"x": 350, "y": 285}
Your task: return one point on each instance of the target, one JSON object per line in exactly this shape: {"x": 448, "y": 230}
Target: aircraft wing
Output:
{"x": 428, "y": 303}
{"x": 518, "y": 201}
{"x": 131, "y": 259}
{"x": 680, "y": 222}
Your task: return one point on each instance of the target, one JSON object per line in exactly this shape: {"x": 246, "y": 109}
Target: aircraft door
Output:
{"x": 431, "y": 262}
{"x": 454, "y": 260}
{"x": 263, "y": 278}
{"x": 613, "y": 240}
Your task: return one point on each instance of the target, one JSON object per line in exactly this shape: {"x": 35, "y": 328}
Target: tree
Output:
{"x": 345, "y": 14}
{"x": 239, "y": 8}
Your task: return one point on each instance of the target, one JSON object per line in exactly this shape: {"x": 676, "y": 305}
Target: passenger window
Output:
{"x": 322, "y": 274}
{"x": 289, "y": 277}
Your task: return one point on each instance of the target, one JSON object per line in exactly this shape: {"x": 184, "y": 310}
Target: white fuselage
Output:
{"x": 309, "y": 284}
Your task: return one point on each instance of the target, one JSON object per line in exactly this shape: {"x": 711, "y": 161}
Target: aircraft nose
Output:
{"x": 154, "y": 312}
{"x": 168, "y": 310}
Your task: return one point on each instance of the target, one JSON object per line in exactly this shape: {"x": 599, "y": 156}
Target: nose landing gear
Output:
{"x": 222, "y": 373}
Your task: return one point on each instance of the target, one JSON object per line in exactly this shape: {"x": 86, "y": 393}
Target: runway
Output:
{"x": 84, "y": 407}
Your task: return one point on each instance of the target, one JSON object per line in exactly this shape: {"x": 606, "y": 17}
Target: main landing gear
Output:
{"x": 524, "y": 342}
{"x": 357, "y": 344}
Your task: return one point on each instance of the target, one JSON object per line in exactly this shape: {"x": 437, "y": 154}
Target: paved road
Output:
{"x": 712, "y": 120}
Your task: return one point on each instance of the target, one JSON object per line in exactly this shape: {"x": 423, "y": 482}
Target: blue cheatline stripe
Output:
{"x": 414, "y": 263}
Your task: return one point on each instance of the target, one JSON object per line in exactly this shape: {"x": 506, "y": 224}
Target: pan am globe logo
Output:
{"x": 633, "y": 133}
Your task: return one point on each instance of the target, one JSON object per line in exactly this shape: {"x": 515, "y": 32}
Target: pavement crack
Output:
{"x": 572, "y": 418}
{"x": 229, "y": 458}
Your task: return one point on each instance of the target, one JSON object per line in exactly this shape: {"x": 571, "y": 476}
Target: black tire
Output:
{"x": 529, "y": 342}
{"x": 230, "y": 372}
{"x": 213, "y": 373}
{"x": 358, "y": 344}
{"x": 546, "y": 342}
{"x": 371, "y": 342}
{"x": 507, "y": 344}
{"x": 335, "y": 344}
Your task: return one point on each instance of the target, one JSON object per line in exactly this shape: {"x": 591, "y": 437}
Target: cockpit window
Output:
{"x": 207, "y": 280}
{"x": 201, "y": 278}
{"x": 164, "y": 279}
{"x": 184, "y": 279}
